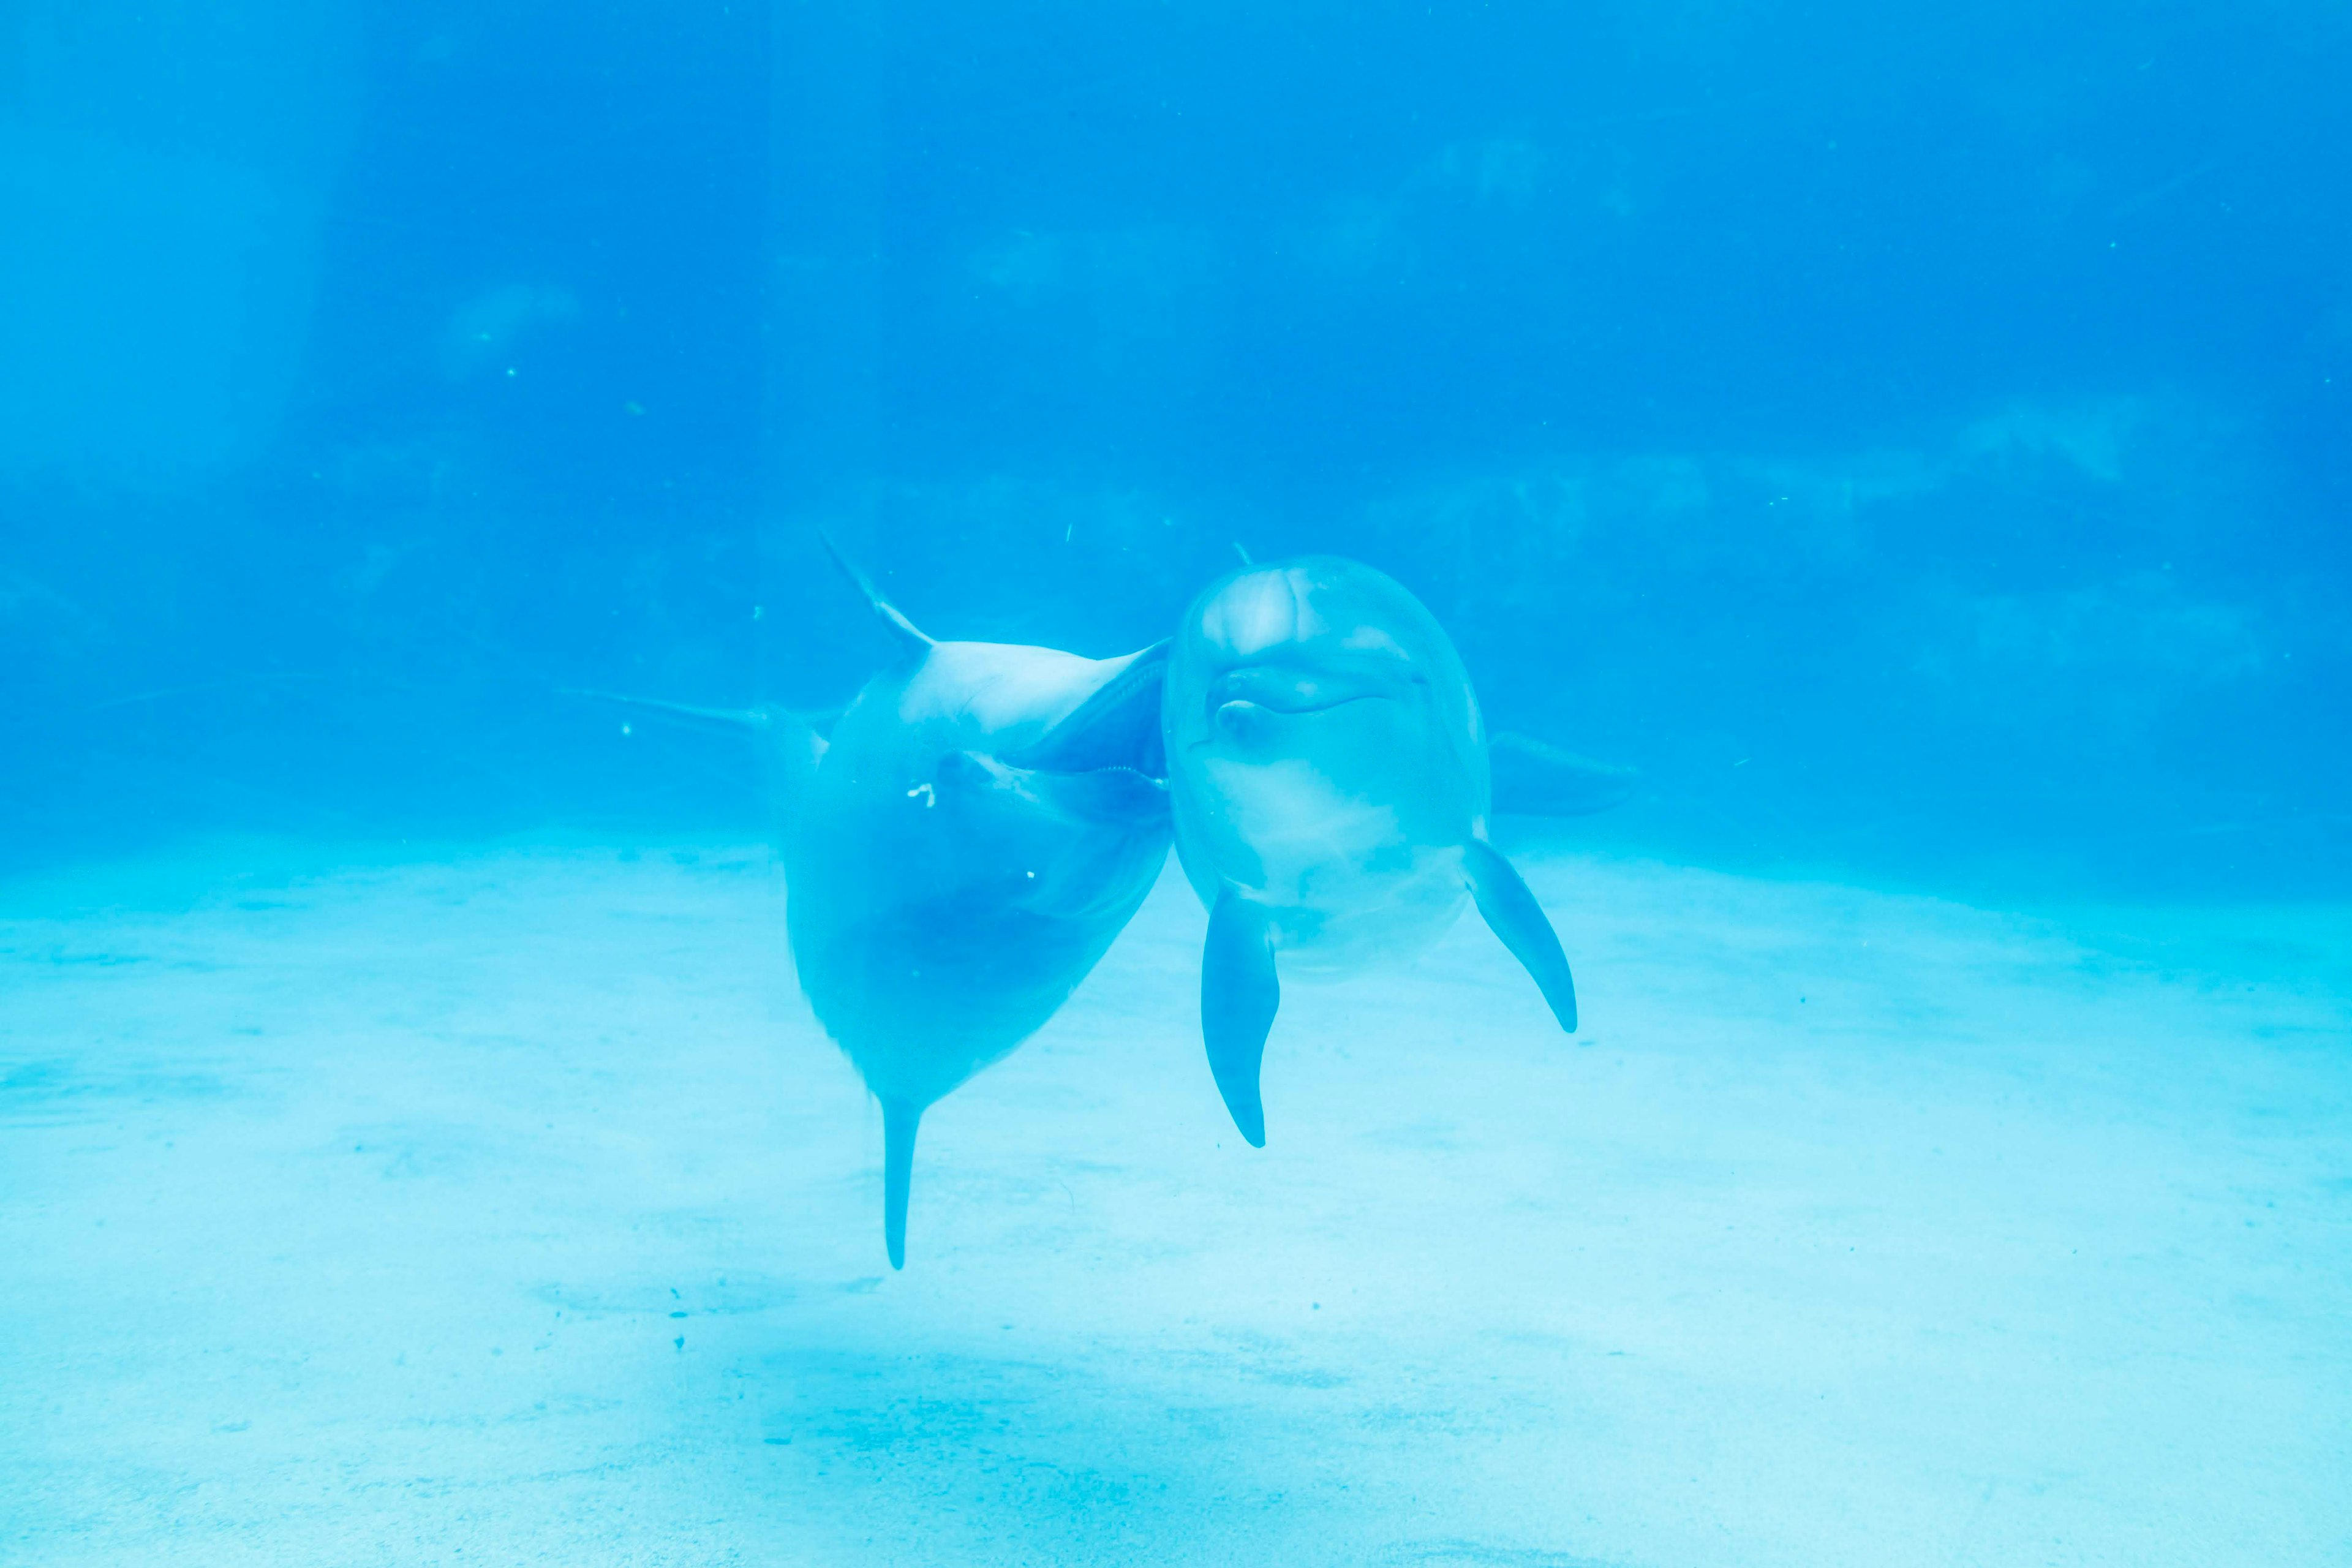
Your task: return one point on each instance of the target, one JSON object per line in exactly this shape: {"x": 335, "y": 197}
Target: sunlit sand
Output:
{"x": 513, "y": 1209}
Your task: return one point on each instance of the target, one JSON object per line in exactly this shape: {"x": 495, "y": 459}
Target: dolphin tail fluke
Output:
{"x": 900, "y": 1119}
{"x": 1514, "y": 915}
{"x": 1240, "y": 993}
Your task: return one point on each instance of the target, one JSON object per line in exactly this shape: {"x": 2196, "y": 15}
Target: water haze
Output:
{"x": 1916, "y": 438}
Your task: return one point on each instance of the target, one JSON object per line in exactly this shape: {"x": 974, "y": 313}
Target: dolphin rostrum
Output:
{"x": 963, "y": 846}
{"x": 1328, "y": 769}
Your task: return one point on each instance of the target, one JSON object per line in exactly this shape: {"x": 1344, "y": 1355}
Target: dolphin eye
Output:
{"x": 1241, "y": 723}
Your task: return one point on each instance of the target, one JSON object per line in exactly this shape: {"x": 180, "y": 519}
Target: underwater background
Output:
{"x": 1916, "y": 437}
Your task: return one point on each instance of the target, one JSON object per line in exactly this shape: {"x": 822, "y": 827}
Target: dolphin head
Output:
{"x": 1058, "y": 808}
{"x": 1327, "y": 665}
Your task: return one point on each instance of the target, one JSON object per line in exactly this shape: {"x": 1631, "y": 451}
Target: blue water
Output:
{"x": 1919, "y": 440}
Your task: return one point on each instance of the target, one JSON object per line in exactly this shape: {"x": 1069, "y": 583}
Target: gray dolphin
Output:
{"x": 1327, "y": 768}
{"x": 977, "y": 828}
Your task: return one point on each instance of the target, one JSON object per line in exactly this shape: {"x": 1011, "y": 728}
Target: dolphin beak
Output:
{"x": 1117, "y": 727}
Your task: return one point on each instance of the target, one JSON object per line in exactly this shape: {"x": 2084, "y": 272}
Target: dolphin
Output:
{"x": 975, "y": 829}
{"x": 1328, "y": 774}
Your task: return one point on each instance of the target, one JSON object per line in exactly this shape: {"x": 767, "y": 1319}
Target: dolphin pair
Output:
{"x": 967, "y": 838}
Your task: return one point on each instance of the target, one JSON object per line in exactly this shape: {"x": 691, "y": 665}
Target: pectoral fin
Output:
{"x": 900, "y": 1119}
{"x": 1239, "y": 995}
{"x": 1514, "y": 915}
{"x": 1533, "y": 779}
{"x": 789, "y": 743}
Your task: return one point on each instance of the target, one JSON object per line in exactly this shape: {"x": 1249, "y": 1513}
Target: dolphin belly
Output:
{"x": 1343, "y": 882}
{"x": 950, "y": 904}
{"x": 922, "y": 1000}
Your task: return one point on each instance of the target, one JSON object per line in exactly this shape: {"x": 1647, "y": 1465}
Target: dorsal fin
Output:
{"x": 790, "y": 744}
{"x": 908, "y": 635}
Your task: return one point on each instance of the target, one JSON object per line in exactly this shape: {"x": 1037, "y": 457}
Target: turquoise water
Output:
{"x": 1883, "y": 470}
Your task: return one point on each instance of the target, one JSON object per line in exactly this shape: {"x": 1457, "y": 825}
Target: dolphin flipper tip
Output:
{"x": 1513, "y": 914}
{"x": 1238, "y": 1087}
{"x": 900, "y": 1121}
{"x": 1240, "y": 993}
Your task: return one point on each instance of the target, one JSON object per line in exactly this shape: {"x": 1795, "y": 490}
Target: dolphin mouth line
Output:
{"x": 1217, "y": 736}
{"x": 1148, "y": 776}
{"x": 1305, "y": 709}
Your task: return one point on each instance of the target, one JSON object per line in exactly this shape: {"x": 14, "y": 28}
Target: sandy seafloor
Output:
{"x": 511, "y": 1208}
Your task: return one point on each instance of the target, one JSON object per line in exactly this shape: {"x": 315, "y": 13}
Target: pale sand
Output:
{"x": 514, "y": 1211}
